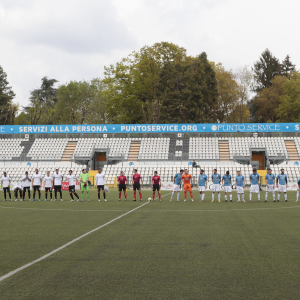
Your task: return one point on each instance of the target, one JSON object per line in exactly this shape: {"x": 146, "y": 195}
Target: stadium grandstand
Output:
{"x": 162, "y": 148}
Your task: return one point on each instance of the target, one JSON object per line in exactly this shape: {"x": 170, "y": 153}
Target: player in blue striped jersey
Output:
{"x": 281, "y": 184}
{"x": 270, "y": 184}
{"x": 202, "y": 184}
{"x": 216, "y": 178}
{"x": 226, "y": 180}
{"x": 240, "y": 185}
{"x": 254, "y": 188}
{"x": 177, "y": 185}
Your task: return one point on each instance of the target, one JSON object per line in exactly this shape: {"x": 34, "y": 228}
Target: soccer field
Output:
{"x": 154, "y": 250}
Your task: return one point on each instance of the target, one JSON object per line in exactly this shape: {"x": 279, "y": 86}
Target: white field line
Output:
{"x": 66, "y": 245}
{"x": 220, "y": 210}
{"x": 157, "y": 210}
{"x": 59, "y": 209}
{"x": 62, "y": 209}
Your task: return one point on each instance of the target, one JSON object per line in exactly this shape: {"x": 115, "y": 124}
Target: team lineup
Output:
{"x": 183, "y": 178}
{"x": 186, "y": 179}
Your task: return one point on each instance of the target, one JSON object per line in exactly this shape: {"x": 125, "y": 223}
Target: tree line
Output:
{"x": 162, "y": 84}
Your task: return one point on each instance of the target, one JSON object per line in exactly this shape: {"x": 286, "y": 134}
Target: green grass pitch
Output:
{"x": 162, "y": 250}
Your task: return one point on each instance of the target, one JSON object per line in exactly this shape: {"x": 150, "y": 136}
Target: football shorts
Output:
{"x": 270, "y": 188}
{"x": 122, "y": 187}
{"x": 240, "y": 190}
{"x": 156, "y": 187}
{"x": 136, "y": 186}
{"x": 100, "y": 187}
{"x": 57, "y": 188}
{"x": 254, "y": 188}
{"x": 16, "y": 190}
{"x": 36, "y": 188}
{"x": 72, "y": 188}
{"x": 187, "y": 187}
{"x": 6, "y": 189}
{"x": 227, "y": 189}
{"x": 216, "y": 187}
{"x": 84, "y": 187}
{"x": 176, "y": 187}
{"x": 48, "y": 189}
{"x": 201, "y": 188}
{"x": 281, "y": 188}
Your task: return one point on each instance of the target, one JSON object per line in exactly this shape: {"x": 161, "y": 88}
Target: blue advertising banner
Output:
{"x": 151, "y": 128}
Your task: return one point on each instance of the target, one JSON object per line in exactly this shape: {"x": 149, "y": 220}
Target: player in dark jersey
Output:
{"x": 26, "y": 185}
{"x": 5, "y": 183}
{"x": 18, "y": 188}
{"x": 136, "y": 178}
{"x": 122, "y": 180}
{"x": 156, "y": 184}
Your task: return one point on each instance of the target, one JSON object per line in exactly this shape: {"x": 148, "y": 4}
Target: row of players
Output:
{"x": 186, "y": 179}
{"x": 181, "y": 178}
{"x": 51, "y": 183}
{"x": 54, "y": 182}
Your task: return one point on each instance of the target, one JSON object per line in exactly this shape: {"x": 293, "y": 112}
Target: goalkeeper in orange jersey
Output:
{"x": 186, "y": 179}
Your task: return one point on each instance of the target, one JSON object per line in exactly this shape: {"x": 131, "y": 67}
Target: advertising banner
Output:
{"x": 167, "y": 186}
{"x": 150, "y": 128}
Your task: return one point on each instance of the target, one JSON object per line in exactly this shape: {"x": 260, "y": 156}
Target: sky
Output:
{"x": 74, "y": 40}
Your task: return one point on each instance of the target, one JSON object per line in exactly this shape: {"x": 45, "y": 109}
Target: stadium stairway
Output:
{"x": 69, "y": 151}
{"x": 172, "y": 148}
{"x": 27, "y": 146}
{"x": 134, "y": 150}
{"x": 291, "y": 149}
{"x": 224, "y": 150}
{"x": 186, "y": 146}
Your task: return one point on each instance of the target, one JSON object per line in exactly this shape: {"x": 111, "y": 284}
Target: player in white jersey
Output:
{"x": 36, "y": 183}
{"x": 26, "y": 185}
{"x": 57, "y": 178}
{"x": 5, "y": 183}
{"x": 72, "y": 182}
{"x": 100, "y": 183}
{"x": 18, "y": 188}
{"x": 48, "y": 184}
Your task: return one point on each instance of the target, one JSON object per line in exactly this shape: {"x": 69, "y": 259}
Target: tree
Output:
{"x": 289, "y": 106}
{"x": 228, "y": 92}
{"x": 287, "y": 67}
{"x": 200, "y": 93}
{"x": 241, "y": 111}
{"x": 42, "y": 102}
{"x": 85, "y": 102}
{"x": 187, "y": 92}
{"x": 131, "y": 83}
{"x": 268, "y": 100}
{"x": 35, "y": 114}
{"x": 46, "y": 93}
{"x": 169, "y": 94}
{"x": 265, "y": 69}
{"x": 244, "y": 78}
{"x": 124, "y": 106}
{"x": 22, "y": 119}
{"x": 6, "y": 97}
